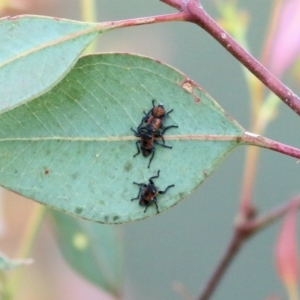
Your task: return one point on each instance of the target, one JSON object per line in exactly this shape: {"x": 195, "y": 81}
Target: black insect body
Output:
{"x": 148, "y": 192}
{"x": 147, "y": 141}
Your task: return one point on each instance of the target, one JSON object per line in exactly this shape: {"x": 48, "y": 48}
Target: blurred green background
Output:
{"x": 184, "y": 244}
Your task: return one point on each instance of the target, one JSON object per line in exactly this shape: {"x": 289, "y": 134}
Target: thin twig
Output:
{"x": 260, "y": 141}
{"x": 233, "y": 248}
{"x": 270, "y": 217}
{"x": 244, "y": 229}
{"x": 194, "y": 12}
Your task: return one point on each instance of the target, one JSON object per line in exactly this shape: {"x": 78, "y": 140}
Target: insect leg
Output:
{"x": 140, "y": 190}
{"x": 147, "y": 204}
{"x": 138, "y": 128}
{"x": 155, "y": 202}
{"x": 168, "y": 127}
{"x": 162, "y": 192}
{"x": 158, "y": 134}
{"x": 138, "y": 148}
{"x": 156, "y": 176}
{"x": 153, "y": 152}
{"x": 135, "y": 132}
{"x": 140, "y": 184}
{"x": 163, "y": 145}
{"x": 147, "y": 115}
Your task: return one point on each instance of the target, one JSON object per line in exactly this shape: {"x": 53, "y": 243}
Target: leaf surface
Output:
{"x": 72, "y": 148}
{"x": 92, "y": 249}
{"x": 36, "y": 52}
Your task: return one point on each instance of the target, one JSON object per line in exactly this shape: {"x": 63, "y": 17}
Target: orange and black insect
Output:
{"x": 155, "y": 119}
{"x": 148, "y": 192}
{"x": 147, "y": 141}
{"x": 149, "y": 133}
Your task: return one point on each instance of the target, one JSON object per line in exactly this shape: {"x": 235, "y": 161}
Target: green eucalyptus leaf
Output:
{"x": 92, "y": 249}
{"x": 36, "y": 53}
{"x": 72, "y": 148}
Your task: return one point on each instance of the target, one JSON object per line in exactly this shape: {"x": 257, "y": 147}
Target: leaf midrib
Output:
{"x": 125, "y": 138}
{"x": 50, "y": 44}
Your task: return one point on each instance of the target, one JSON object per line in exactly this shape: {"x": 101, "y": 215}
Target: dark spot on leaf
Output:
{"x": 189, "y": 86}
{"x": 101, "y": 202}
{"x": 238, "y": 139}
{"x": 74, "y": 176}
{"x": 46, "y": 171}
{"x": 205, "y": 174}
{"x": 78, "y": 210}
{"x": 115, "y": 218}
{"x": 128, "y": 167}
{"x": 181, "y": 195}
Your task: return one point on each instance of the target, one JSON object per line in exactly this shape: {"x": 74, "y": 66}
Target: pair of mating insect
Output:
{"x": 151, "y": 127}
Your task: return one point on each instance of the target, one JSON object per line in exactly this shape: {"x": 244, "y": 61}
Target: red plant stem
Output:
{"x": 248, "y": 138}
{"x": 260, "y": 141}
{"x": 267, "y": 219}
{"x": 178, "y": 4}
{"x": 232, "y": 250}
{"x": 143, "y": 21}
{"x": 243, "y": 231}
{"x": 194, "y": 12}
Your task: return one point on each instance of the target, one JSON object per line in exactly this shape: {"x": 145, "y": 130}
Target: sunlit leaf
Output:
{"x": 93, "y": 250}
{"x": 36, "y": 52}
